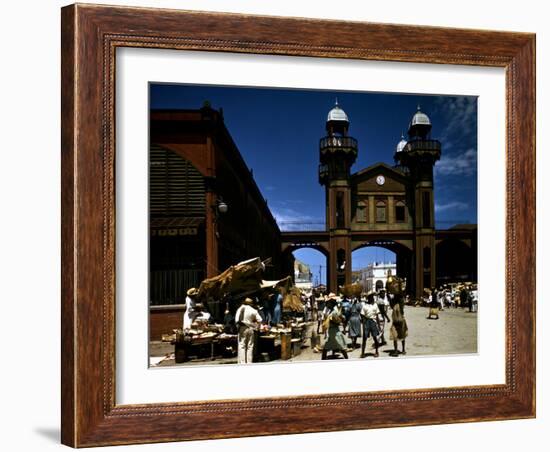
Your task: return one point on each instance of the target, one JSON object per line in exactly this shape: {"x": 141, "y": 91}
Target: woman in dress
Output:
{"x": 354, "y": 323}
{"x": 336, "y": 340}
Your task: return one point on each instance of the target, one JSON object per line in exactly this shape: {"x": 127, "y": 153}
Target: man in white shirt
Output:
{"x": 198, "y": 315}
{"x": 248, "y": 320}
{"x": 369, "y": 314}
{"x": 190, "y": 302}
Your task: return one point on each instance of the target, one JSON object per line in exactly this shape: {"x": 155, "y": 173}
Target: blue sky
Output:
{"x": 277, "y": 132}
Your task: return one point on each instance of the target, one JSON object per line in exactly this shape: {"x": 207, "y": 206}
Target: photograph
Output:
{"x": 294, "y": 225}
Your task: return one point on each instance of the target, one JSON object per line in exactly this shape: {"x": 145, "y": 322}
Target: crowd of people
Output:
{"x": 364, "y": 316}
{"x": 335, "y": 322}
{"x": 447, "y": 297}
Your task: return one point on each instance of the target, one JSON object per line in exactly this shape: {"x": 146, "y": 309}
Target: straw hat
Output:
{"x": 370, "y": 295}
{"x": 332, "y": 296}
{"x": 192, "y": 292}
{"x": 248, "y": 301}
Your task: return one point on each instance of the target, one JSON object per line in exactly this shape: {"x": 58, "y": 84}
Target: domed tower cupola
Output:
{"x": 400, "y": 150}
{"x": 337, "y": 150}
{"x": 420, "y": 126}
{"x": 337, "y": 121}
{"x": 401, "y": 145}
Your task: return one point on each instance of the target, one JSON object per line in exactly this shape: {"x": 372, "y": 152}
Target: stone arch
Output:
{"x": 288, "y": 257}
{"x": 403, "y": 255}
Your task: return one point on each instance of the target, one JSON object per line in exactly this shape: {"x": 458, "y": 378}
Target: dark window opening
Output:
{"x": 361, "y": 213}
{"x": 426, "y": 217}
{"x": 341, "y": 259}
{"x": 400, "y": 212}
{"x": 340, "y": 220}
{"x": 427, "y": 257}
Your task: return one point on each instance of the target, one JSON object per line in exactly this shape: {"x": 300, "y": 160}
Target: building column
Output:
{"x": 391, "y": 210}
{"x": 371, "y": 213}
{"x": 211, "y": 199}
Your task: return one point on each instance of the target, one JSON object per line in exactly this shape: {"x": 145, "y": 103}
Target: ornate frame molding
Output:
{"x": 90, "y": 37}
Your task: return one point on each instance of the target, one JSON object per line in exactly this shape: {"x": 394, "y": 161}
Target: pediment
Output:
{"x": 368, "y": 179}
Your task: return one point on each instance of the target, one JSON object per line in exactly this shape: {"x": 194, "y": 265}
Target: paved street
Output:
{"x": 455, "y": 332}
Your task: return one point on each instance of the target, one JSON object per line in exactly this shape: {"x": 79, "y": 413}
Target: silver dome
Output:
{"x": 401, "y": 145}
{"x": 420, "y": 118}
{"x": 337, "y": 114}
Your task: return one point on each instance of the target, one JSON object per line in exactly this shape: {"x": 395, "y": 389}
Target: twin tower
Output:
{"x": 381, "y": 205}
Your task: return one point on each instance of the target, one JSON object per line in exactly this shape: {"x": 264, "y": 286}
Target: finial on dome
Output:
{"x": 337, "y": 114}
{"x": 420, "y": 125}
{"x": 336, "y": 101}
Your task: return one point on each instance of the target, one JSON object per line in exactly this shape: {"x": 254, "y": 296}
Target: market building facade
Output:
{"x": 386, "y": 206}
{"x": 206, "y": 212}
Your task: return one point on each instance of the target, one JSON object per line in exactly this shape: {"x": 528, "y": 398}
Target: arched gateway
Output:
{"x": 381, "y": 205}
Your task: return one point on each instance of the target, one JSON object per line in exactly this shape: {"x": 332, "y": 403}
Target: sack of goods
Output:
{"x": 395, "y": 285}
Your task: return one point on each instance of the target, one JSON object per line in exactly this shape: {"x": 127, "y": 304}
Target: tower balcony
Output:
{"x": 416, "y": 151}
{"x": 422, "y": 145}
{"x": 343, "y": 145}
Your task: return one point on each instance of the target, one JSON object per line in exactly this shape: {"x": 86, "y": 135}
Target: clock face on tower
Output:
{"x": 380, "y": 180}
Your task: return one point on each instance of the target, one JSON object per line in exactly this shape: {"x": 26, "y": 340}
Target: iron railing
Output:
{"x": 170, "y": 286}
{"x": 297, "y": 226}
{"x": 423, "y": 145}
{"x": 345, "y": 143}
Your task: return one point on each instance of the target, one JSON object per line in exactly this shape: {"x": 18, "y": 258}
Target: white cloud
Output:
{"x": 453, "y": 205}
{"x": 463, "y": 164}
{"x": 460, "y": 116}
{"x": 292, "y": 220}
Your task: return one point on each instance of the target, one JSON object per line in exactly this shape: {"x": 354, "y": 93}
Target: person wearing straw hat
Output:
{"x": 248, "y": 320}
{"x": 336, "y": 340}
{"x": 190, "y": 303}
{"x": 191, "y": 295}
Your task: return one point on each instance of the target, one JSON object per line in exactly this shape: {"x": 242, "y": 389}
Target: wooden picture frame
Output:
{"x": 90, "y": 36}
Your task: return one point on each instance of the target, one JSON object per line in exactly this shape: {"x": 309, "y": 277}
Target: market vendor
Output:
{"x": 191, "y": 298}
{"x": 248, "y": 321}
{"x": 197, "y": 315}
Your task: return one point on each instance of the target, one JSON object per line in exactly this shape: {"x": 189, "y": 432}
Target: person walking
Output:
{"x": 336, "y": 340}
{"x": 433, "y": 312}
{"x": 369, "y": 314}
{"x": 399, "y": 329}
{"x": 383, "y": 303}
{"x": 277, "y": 308}
{"x": 248, "y": 320}
{"x": 345, "y": 309}
{"x": 354, "y": 323}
